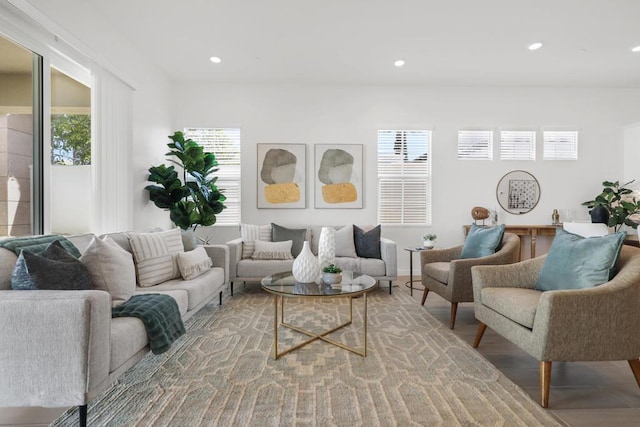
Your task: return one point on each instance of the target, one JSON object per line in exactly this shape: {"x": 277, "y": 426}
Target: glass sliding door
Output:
{"x": 20, "y": 140}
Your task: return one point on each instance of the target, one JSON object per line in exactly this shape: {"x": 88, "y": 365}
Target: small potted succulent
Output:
{"x": 331, "y": 274}
{"x": 429, "y": 240}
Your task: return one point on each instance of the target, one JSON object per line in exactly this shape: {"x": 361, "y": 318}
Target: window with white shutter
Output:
{"x": 517, "y": 145}
{"x": 225, "y": 144}
{"x": 560, "y": 145}
{"x": 475, "y": 145}
{"x": 404, "y": 177}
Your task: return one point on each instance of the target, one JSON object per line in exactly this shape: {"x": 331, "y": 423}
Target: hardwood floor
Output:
{"x": 582, "y": 393}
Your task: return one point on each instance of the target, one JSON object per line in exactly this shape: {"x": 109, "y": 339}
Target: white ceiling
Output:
{"x": 444, "y": 42}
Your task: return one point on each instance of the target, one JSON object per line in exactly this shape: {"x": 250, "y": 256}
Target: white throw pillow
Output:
{"x": 111, "y": 269}
{"x": 249, "y": 234}
{"x": 273, "y": 250}
{"x": 194, "y": 263}
{"x": 345, "y": 245}
{"x": 156, "y": 255}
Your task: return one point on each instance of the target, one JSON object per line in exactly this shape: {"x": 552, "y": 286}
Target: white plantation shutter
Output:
{"x": 475, "y": 145}
{"x": 517, "y": 145}
{"x": 225, "y": 144}
{"x": 404, "y": 177}
{"x": 560, "y": 145}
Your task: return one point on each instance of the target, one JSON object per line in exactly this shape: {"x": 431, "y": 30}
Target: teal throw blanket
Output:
{"x": 160, "y": 316}
{"x": 37, "y": 244}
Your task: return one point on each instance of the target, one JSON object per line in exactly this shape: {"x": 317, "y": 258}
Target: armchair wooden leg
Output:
{"x": 424, "y": 295}
{"x": 545, "y": 380}
{"x": 454, "y": 310}
{"x": 635, "y": 367}
{"x": 481, "y": 328}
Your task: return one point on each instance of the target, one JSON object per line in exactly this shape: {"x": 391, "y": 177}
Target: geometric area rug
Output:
{"x": 222, "y": 372}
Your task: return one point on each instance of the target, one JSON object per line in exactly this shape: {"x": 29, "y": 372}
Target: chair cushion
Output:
{"x": 249, "y": 234}
{"x": 438, "y": 271}
{"x": 576, "y": 262}
{"x": 297, "y": 235}
{"x": 517, "y": 304}
{"x": 482, "y": 241}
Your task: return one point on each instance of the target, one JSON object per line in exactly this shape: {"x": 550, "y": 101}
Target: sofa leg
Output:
{"x": 231, "y": 287}
{"x": 390, "y": 285}
{"x": 220, "y": 297}
{"x": 82, "y": 415}
{"x": 545, "y": 380}
{"x": 635, "y": 367}
{"x": 452, "y": 318}
{"x": 424, "y": 295}
{"x": 481, "y": 328}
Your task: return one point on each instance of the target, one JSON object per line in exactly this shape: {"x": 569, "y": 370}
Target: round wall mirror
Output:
{"x": 518, "y": 192}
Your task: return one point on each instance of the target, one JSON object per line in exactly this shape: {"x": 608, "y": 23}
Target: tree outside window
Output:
{"x": 70, "y": 139}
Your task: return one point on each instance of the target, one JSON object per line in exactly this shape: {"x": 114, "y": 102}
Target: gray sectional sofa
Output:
{"x": 245, "y": 269}
{"x": 61, "y": 347}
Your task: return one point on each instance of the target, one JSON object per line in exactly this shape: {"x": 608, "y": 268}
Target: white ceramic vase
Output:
{"x": 327, "y": 247}
{"x": 305, "y": 267}
{"x": 429, "y": 243}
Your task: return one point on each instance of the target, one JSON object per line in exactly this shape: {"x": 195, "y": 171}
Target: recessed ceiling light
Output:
{"x": 399, "y": 63}
{"x": 215, "y": 60}
{"x": 535, "y": 46}
{"x": 636, "y": 49}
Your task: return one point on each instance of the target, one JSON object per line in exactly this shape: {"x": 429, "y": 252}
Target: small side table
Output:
{"x": 411, "y": 251}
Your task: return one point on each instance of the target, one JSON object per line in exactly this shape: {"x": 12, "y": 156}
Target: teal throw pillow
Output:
{"x": 482, "y": 241}
{"x": 576, "y": 262}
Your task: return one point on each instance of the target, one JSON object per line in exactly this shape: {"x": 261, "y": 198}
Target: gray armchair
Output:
{"x": 444, "y": 273}
{"x": 595, "y": 324}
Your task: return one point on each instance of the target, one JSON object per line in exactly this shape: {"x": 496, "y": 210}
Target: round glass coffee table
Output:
{"x": 285, "y": 285}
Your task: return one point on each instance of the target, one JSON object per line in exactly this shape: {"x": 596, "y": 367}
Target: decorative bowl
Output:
{"x": 331, "y": 278}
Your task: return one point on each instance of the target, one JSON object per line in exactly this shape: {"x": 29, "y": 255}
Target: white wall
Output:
{"x": 336, "y": 114}
{"x": 632, "y": 154}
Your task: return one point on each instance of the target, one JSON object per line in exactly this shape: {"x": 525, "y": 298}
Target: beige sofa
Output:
{"x": 251, "y": 270}
{"x": 62, "y": 348}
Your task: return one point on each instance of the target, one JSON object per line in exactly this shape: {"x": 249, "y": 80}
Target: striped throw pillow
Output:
{"x": 156, "y": 255}
{"x": 249, "y": 234}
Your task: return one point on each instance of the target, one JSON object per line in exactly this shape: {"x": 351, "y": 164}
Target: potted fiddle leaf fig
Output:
{"x": 614, "y": 205}
{"x": 192, "y": 199}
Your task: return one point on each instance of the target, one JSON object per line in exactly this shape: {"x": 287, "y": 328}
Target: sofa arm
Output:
{"x": 55, "y": 346}
{"x": 219, "y": 254}
{"x": 389, "y": 254}
{"x": 235, "y": 255}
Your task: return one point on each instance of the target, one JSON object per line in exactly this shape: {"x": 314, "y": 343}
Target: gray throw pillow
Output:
{"x": 296, "y": 235}
{"x": 54, "y": 269}
{"x": 367, "y": 242}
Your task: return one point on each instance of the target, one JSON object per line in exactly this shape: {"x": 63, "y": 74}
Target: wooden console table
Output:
{"x": 527, "y": 230}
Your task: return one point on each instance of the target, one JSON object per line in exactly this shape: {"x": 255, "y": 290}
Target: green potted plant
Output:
{"x": 429, "y": 240}
{"x": 195, "y": 200}
{"x": 619, "y": 204}
{"x": 331, "y": 274}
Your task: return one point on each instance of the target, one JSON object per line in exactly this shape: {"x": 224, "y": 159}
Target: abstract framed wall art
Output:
{"x": 338, "y": 176}
{"x": 281, "y": 176}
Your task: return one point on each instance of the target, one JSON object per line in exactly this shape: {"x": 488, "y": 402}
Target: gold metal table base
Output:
{"x": 314, "y": 336}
